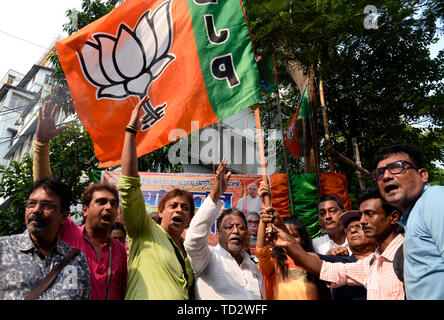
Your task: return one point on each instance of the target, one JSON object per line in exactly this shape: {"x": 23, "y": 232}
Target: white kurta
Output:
{"x": 216, "y": 272}
{"x": 323, "y": 244}
{"x": 253, "y": 204}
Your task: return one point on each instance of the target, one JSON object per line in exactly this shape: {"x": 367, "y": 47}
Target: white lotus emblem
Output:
{"x": 126, "y": 64}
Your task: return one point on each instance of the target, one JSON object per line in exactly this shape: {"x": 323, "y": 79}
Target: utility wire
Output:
{"x": 18, "y": 38}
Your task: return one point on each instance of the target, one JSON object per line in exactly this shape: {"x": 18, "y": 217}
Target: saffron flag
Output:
{"x": 193, "y": 59}
{"x": 291, "y": 134}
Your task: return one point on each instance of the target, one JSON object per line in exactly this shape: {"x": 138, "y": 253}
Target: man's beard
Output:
{"x": 36, "y": 230}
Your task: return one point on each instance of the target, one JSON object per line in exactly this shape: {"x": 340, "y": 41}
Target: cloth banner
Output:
{"x": 192, "y": 58}
{"x": 335, "y": 183}
{"x": 279, "y": 189}
{"x": 305, "y": 196}
{"x": 155, "y": 185}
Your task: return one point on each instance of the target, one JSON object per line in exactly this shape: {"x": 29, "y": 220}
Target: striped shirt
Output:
{"x": 374, "y": 272}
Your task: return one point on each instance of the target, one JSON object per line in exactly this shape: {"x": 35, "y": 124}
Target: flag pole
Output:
{"x": 260, "y": 142}
{"x": 290, "y": 193}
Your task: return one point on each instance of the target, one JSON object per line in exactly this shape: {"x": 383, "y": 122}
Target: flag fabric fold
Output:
{"x": 291, "y": 134}
{"x": 193, "y": 59}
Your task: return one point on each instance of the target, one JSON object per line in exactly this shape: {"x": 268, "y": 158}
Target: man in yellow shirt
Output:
{"x": 159, "y": 268}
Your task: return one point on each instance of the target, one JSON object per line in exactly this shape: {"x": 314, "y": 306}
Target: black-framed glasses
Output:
{"x": 396, "y": 167}
{"x": 355, "y": 226}
{"x": 45, "y": 205}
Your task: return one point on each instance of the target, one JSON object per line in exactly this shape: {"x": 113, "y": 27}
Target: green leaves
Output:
{"x": 16, "y": 181}
{"x": 379, "y": 84}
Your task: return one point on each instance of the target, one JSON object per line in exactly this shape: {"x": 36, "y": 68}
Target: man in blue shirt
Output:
{"x": 403, "y": 182}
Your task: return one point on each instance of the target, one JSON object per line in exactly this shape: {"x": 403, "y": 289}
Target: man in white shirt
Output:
{"x": 252, "y": 202}
{"x": 330, "y": 207}
{"x": 226, "y": 270}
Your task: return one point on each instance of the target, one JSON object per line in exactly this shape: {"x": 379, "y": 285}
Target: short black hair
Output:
{"x": 87, "y": 195}
{"x": 374, "y": 193}
{"x": 331, "y": 197}
{"x": 412, "y": 151}
{"x": 307, "y": 242}
{"x": 56, "y": 186}
{"x": 227, "y": 212}
{"x": 119, "y": 226}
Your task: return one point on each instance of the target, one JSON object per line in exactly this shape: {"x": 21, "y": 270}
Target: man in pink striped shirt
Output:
{"x": 375, "y": 272}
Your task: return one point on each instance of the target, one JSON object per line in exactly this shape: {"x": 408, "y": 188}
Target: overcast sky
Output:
{"x": 29, "y": 27}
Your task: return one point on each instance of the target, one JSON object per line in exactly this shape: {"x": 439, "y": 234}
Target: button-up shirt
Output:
{"x": 424, "y": 246}
{"x": 322, "y": 244}
{"x": 217, "y": 273}
{"x": 23, "y": 267}
{"x": 76, "y": 237}
{"x": 375, "y": 272}
{"x": 155, "y": 271}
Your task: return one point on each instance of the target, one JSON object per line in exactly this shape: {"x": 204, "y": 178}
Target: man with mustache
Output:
{"x": 226, "y": 270}
{"x": 379, "y": 221}
{"x": 159, "y": 268}
{"x": 403, "y": 182}
{"x": 25, "y": 259}
{"x": 106, "y": 256}
{"x": 330, "y": 207}
{"x": 360, "y": 246}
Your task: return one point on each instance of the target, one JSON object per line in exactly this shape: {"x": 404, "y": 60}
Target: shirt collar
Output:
{"x": 405, "y": 216}
{"x": 226, "y": 254}
{"x": 26, "y": 243}
{"x": 86, "y": 237}
{"x": 390, "y": 251}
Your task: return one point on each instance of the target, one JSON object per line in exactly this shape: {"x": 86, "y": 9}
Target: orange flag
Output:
{"x": 192, "y": 58}
{"x": 291, "y": 134}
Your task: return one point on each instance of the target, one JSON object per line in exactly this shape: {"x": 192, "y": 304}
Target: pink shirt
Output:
{"x": 379, "y": 278}
{"x": 98, "y": 270}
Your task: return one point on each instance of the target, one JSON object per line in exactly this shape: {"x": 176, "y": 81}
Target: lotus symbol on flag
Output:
{"x": 126, "y": 64}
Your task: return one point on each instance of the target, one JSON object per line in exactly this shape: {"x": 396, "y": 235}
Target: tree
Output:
{"x": 379, "y": 83}
{"x": 16, "y": 180}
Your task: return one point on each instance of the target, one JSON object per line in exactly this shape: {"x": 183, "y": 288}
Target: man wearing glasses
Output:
{"x": 402, "y": 181}
{"x": 100, "y": 201}
{"x": 25, "y": 259}
{"x": 360, "y": 246}
{"x": 379, "y": 221}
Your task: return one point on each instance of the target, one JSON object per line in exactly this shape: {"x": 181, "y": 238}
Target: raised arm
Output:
{"x": 129, "y": 152}
{"x": 134, "y": 214}
{"x": 46, "y": 130}
{"x": 282, "y": 238}
{"x": 260, "y": 241}
{"x": 196, "y": 238}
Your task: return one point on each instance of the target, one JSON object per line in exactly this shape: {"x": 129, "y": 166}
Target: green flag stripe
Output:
{"x": 304, "y": 110}
{"x": 225, "y": 55}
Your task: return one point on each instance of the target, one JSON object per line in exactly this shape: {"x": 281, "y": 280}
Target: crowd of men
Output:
{"x": 391, "y": 248}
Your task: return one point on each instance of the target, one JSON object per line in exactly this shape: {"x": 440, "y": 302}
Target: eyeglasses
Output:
{"x": 396, "y": 167}
{"x": 45, "y": 205}
{"x": 355, "y": 226}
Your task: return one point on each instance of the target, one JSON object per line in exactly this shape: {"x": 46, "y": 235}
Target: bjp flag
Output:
{"x": 291, "y": 134}
{"x": 192, "y": 58}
